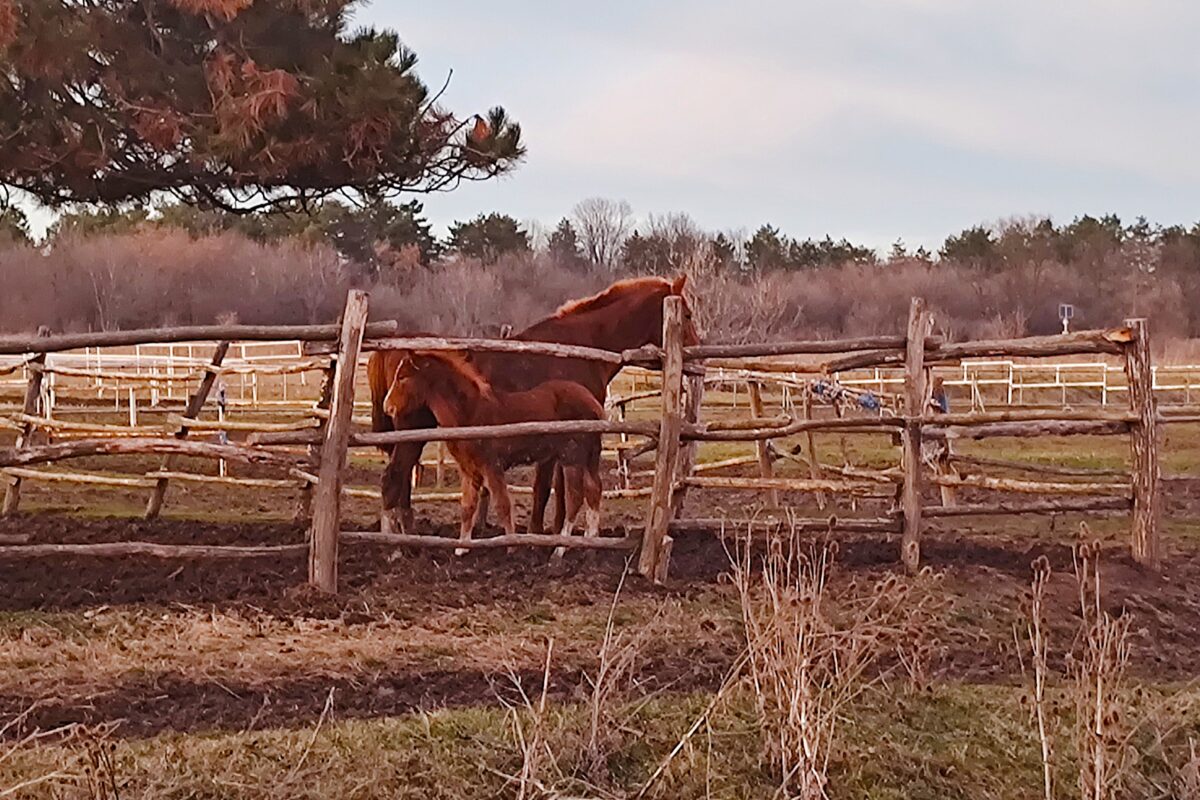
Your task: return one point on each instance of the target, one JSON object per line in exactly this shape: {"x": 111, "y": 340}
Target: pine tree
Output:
{"x": 564, "y": 247}
{"x": 487, "y": 237}
{"x": 236, "y": 104}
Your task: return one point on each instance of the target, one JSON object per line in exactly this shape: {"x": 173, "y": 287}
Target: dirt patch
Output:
{"x": 983, "y": 578}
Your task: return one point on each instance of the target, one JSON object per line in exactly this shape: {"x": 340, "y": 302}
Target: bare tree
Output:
{"x": 603, "y": 225}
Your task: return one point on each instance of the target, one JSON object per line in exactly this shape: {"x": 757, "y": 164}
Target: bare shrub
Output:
{"x": 812, "y": 651}
{"x": 1103, "y": 720}
{"x": 603, "y": 226}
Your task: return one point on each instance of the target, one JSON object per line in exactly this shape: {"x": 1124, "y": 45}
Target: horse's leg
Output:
{"x": 497, "y": 488}
{"x": 543, "y": 478}
{"x": 573, "y": 498}
{"x": 485, "y": 498}
{"x": 593, "y": 492}
{"x": 397, "y": 487}
{"x": 470, "y": 507}
{"x": 560, "y": 498}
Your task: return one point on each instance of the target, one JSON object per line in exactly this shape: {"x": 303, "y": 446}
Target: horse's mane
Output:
{"x": 459, "y": 363}
{"x": 612, "y": 294}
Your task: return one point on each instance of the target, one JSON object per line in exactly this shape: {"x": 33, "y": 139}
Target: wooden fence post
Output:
{"x": 814, "y": 466}
{"x": 693, "y": 397}
{"x": 1143, "y": 441}
{"x": 666, "y": 460}
{"x": 304, "y": 508}
{"x": 327, "y": 496}
{"x": 195, "y": 406}
{"x": 914, "y": 407}
{"x": 763, "y": 446}
{"x": 33, "y": 391}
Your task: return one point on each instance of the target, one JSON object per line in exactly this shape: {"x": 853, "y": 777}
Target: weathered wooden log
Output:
{"x": 1029, "y": 487}
{"x": 1063, "y": 344}
{"x": 65, "y": 426}
{"x": 152, "y": 550}
{"x": 494, "y": 542}
{"x": 76, "y": 477}
{"x": 717, "y": 432}
{"x": 658, "y": 518}
{"x": 766, "y": 469}
{"x": 764, "y": 367}
{"x": 1143, "y": 447}
{"x": 33, "y": 391}
{"x": 809, "y": 347}
{"x": 10, "y": 345}
{"x": 1066, "y": 505}
{"x": 1029, "y": 415}
{"x": 45, "y": 454}
{"x": 869, "y": 358}
{"x": 1027, "y": 429}
{"x": 707, "y": 466}
{"x": 916, "y": 395}
{"x": 327, "y": 494}
{"x": 191, "y": 423}
{"x": 732, "y": 528}
{"x": 1044, "y": 469}
{"x": 693, "y": 397}
{"x": 194, "y": 406}
{"x": 226, "y": 480}
{"x": 861, "y": 488}
{"x": 498, "y": 346}
{"x": 14, "y": 538}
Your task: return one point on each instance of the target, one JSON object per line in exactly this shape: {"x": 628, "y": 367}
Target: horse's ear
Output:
{"x": 678, "y": 284}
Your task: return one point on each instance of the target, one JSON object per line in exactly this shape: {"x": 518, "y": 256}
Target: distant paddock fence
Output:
{"x": 312, "y": 453}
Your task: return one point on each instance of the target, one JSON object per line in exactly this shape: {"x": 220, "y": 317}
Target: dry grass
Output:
{"x": 812, "y": 652}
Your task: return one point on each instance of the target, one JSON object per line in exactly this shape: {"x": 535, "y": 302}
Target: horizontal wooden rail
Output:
{"x": 12, "y": 345}
{"x": 643, "y": 355}
{"x": 45, "y": 454}
{"x": 151, "y": 549}
{"x": 870, "y": 488}
{"x": 1044, "y": 469}
{"x": 77, "y": 477}
{"x": 494, "y": 542}
{"x": 1026, "y": 429}
{"x": 1064, "y": 506}
{"x": 732, "y": 527}
{"x": 797, "y": 348}
{"x": 1063, "y": 344}
{"x": 1029, "y": 487}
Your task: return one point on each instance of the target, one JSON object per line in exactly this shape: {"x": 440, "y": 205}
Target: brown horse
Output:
{"x": 626, "y": 315}
{"x": 458, "y": 395}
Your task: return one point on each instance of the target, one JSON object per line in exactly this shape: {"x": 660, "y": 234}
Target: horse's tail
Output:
{"x": 379, "y": 378}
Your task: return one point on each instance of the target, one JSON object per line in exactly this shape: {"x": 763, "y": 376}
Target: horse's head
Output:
{"x": 691, "y": 336}
{"x": 406, "y": 391}
{"x": 649, "y": 312}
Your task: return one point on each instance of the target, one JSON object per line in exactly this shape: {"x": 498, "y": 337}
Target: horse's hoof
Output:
{"x": 461, "y": 551}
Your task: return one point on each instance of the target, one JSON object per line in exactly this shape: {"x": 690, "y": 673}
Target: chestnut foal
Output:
{"x": 458, "y": 395}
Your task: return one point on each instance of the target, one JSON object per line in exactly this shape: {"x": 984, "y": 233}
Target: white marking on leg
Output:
{"x": 567, "y": 530}
{"x": 591, "y": 517}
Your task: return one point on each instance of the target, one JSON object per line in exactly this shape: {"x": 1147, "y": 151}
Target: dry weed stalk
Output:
{"x": 1103, "y": 724}
{"x": 812, "y": 651}
{"x": 1035, "y": 630}
{"x": 532, "y": 739}
{"x": 1186, "y": 783}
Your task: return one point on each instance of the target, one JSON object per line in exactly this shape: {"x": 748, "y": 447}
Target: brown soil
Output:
{"x": 984, "y": 577}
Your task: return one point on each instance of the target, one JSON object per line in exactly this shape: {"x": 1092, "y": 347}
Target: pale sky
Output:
{"x": 870, "y": 120}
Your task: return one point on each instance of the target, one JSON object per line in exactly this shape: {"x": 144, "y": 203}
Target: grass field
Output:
{"x": 134, "y": 678}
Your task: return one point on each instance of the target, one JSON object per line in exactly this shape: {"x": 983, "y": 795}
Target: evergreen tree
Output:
{"x": 487, "y": 237}
{"x": 236, "y": 104}
{"x": 14, "y": 227}
{"x": 564, "y": 247}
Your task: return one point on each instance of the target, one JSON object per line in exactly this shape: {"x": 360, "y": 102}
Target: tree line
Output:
{"x": 602, "y": 234}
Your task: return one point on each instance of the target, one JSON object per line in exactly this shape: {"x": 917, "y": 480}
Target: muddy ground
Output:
{"x": 463, "y": 628}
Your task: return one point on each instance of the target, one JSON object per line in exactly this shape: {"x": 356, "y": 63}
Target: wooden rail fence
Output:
{"x": 325, "y": 440}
